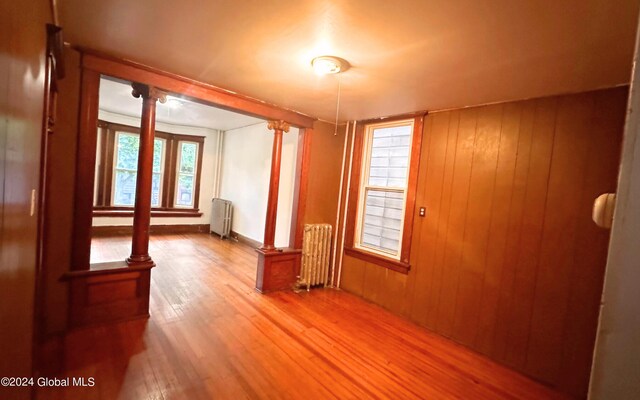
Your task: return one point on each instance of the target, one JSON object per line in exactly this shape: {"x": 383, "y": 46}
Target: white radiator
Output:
{"x": 221, "y": 217}
{"x": 316, "y": 254}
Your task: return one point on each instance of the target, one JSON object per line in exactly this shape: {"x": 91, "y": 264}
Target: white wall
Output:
{"x": 616, "y": 367}
{"x": 246, "y": 167}
{"x": 207, "y": 180}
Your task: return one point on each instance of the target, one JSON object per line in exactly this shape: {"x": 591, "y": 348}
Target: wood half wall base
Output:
{"x": 109, "y": 292}
{"x": 277, "y": 269}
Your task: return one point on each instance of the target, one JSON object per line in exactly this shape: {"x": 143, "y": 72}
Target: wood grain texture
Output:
{"x": 323, "y": 182}
{"x": 507, "y": 260}
{"x": 199, "y": 91}
{"x": 22, "y": 96}
{"x": 301, "y": 186}
{"x": 211, "y": 335}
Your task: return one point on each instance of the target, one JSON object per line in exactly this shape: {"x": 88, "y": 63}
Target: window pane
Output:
{"x": 185, "y": 190}
{"x": 158, "y": 144}
{"x": 390, "y": 149}
{"x": 124, "y": 188}
{"x": 127, "y": 151}
{"x": 188, "y": 157}
{"x": 382, "y": 222}
{"x": 155, "y": 189}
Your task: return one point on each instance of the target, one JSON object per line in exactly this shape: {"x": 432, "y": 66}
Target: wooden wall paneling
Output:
{"x": 521, "y": 302}
{"x": 86, "y": 156}
{"x": 352, "y": 206}
{"x": 531, "y": 291}
{"x": 22, "y": 74}
{"x": 392, "y": 290}
{"x": 433, "y": 152}
{"x": 353, "y": 270}
{"x": 475, "y": 242}
{"x": 438, "y": 268}
{"x": 373, "y": 289}
{"x": 553, "y": 283}
{"x": 516, "y": 212}
{"x": 445, "y": 307}
{"x": 418, "y": 226}
{"x": 588, "y": 261}
{"x": 498, "y": 229}
{"x": 340, "y": 263}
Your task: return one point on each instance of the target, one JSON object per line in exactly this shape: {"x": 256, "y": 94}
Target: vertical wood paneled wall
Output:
{"x": 507, "y": 260}
{"x": 22, "y": 92}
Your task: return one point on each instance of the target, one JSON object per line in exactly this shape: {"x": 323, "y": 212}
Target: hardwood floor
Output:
{"x": 211, "y": 335}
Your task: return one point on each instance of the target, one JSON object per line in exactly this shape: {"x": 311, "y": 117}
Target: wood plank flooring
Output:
{"x": 211, "y": 336}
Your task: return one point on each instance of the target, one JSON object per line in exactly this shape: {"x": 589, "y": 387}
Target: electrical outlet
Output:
{"x": 423, "y": 211}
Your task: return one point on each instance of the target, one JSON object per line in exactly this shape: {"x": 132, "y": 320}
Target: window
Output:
{"x": 187, "y": 152}
{"x": 126, "y": 166}
{"x": 384, "y": 179}
{"x": 177, "y": 160}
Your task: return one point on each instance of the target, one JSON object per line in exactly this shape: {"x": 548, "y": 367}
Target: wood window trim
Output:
{"x": 402, "y": 265}
{"x": 103, "y": 207}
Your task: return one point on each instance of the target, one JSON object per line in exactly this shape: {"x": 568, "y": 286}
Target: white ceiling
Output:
{"x": 406, "y": 55}
{"x": 115, "y": 97}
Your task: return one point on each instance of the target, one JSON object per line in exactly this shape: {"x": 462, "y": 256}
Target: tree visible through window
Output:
{"x": 177, "y": 160}
{"x": 186, "y": 174}
{"x": 126, "y": 167}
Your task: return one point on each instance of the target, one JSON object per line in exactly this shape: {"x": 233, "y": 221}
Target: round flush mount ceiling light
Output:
{"x": 325, "y": 65}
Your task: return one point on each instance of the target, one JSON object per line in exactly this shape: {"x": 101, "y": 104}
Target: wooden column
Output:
{"x": 274, "y": 184}
{"x": 277, "y": 268}
{"x": 142, "y": 210}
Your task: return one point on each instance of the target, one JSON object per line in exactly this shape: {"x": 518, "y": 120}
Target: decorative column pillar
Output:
{"x": 142, "y": 209}
{"x": 277, "y": 268}
{"x": 274, "y": 184}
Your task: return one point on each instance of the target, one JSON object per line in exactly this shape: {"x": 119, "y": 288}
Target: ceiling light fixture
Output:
{"x": 326, "y": 65}
{"x": 329, "y": 65}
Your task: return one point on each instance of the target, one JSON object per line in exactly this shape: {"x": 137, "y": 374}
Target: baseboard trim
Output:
{"x": 243, "y": 239}
{"x": 101, "y": 231}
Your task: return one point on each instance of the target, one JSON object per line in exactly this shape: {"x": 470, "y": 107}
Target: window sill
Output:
{"x": 162, "y": 213}
{"x": 389, "y": 263}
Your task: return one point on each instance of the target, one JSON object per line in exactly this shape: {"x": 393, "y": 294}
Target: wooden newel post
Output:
{"x": 142, "y": 209}
{"x": 279, "y": 127}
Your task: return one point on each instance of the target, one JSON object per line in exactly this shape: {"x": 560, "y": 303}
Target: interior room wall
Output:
{"x": 207, "y": 180}
{"x": 507, "y": 260}
{"x": 60, "y": 198}
{"x": 616, "y": 366}
{"x": 246, "y": 168}
{"x": 22, "y": 72}
{"x": 325, "y": 162}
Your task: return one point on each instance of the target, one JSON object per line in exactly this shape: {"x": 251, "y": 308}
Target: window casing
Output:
{"x": 383, "y": 184}
{"x": 125, "y": 169}
{"x": 186, "y": 174}
{"x": 116, "y": 170}
{"x": 383, "y": 187}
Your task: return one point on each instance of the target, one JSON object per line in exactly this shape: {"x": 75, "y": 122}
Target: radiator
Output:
{"x": 316, "y": 254}
{"x": 221, "y": 217}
